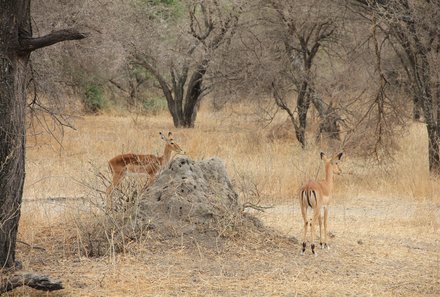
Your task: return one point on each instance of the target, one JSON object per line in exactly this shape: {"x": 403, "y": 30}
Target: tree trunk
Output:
{"x": 16, "y": 44}
{"x": 416, "y": 109}
{"x": 14, "y": 20}
{"x": 423, "y": 79}
{"x": 329, "y": 118}
{"x": 425, "y": 94}
{"x": 437, "y": 100}
{"x": 303, "y": 104}
{"x": 433, "y": 150}
{"x": 193, "y": 95}
{"x": 431, "y": 127}
{"x": 175, "y": 108}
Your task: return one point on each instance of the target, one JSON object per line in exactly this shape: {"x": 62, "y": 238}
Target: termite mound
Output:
{"x": 192, "y": 197}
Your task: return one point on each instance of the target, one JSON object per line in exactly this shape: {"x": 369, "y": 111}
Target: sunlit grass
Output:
{"x": 275, "y": 169}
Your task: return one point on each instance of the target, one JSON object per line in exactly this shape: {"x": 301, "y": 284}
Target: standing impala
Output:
{"x": 317, "y": 195}
{"x": 150, "y": 164}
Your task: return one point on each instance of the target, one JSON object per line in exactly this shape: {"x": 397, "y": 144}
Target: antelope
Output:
{"x": 317, "y": 195}
{"x": 133, "y": 163}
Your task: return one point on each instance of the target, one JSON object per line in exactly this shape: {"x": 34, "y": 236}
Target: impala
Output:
{"x": 133, "y": 163}
{"x": 317, "y": 195}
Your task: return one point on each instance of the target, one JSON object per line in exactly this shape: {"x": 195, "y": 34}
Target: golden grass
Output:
{"x": 385, "y": 218}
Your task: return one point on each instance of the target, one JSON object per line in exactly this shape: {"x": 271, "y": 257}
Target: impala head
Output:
{"x": 333, "y": 161}
{"x": 171, "y": 144}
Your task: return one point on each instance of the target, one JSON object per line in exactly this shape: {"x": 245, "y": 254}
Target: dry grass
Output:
{"x": 385, "y": 219}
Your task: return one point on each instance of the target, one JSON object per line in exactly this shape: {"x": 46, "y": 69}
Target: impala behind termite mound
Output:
{"x": 317, "y": 195}
{"x": 149, "y": 164}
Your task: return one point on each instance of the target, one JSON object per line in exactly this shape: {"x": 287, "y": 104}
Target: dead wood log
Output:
{"x": 38, "y": 282}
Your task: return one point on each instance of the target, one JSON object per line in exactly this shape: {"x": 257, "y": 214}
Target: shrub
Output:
{"x": 154, "y": 105}
{"x": 94, "y": 99}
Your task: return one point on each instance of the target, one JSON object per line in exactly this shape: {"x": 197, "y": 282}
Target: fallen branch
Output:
{"x": 38, "y": 282}
{"x": 255, "y": 206}
{"x": 31, "y": 246}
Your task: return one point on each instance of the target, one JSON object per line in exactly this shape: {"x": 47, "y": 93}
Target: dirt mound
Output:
{"x": 191, "y": 196}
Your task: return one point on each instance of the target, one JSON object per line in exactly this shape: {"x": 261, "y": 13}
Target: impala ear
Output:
{"x": 163, "y": 136}
{"x": 339, "y": 156}
{"x": 322, "y": 156}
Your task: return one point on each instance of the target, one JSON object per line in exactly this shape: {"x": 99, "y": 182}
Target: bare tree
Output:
{"x": 17, "y": 43}
{"x": 412, "y": 29}
{"x": 303, "y": 36}
{"x": 209, "y": 26}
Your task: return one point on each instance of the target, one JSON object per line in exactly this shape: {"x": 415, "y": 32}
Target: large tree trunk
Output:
{"x": 183, "y": 105}
{"x": 14, "y": 21}
{"x": 423, "y": 74}
{"x": 16, "y": 44}
{"x": 433, "y": 150}
{"x": 431, "y": 124}
{"x": 193, "y": 95}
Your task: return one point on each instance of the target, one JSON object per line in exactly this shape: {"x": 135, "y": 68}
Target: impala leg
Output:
{"x": 304, "y": 215}
{"x": 320, "y": 229}
{"x": 315, "y": 218}
{"x": 325, "y": 226}
{"x": 306, "y": 224}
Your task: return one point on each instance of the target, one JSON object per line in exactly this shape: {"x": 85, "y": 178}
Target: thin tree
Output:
{"x": 303, "y": 37}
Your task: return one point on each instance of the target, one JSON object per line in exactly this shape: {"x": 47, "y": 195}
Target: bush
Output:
{"x": 94, "y": 99}
{"x": 154, "y": 105}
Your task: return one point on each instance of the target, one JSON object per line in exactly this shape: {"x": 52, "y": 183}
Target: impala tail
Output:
{"x": 309, "y": 198}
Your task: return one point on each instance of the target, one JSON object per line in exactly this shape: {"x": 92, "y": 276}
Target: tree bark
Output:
{"x": 303, "y": 104}
{"x": 194, "y": 94}
{"x": 14, "y": 20}
{"x": 423, "y": 78}
{"x": 16, "y": 44}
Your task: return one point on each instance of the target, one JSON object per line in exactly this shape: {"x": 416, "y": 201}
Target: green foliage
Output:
{"x": 94, "y": 99}
{"x": 140, "y": 73}
{"x": 154, "y": 105}
{"x": 167, "y": 10}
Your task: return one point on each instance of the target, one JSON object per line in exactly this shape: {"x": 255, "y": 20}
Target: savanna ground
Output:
{"x": 384, "y": 220}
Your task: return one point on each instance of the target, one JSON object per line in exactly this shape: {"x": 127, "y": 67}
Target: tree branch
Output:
{"x": 30, "y": 44}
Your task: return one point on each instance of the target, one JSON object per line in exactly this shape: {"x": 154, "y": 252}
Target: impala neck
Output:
{"x": 166, "y": 155}
{"x": 329, "y": 174}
